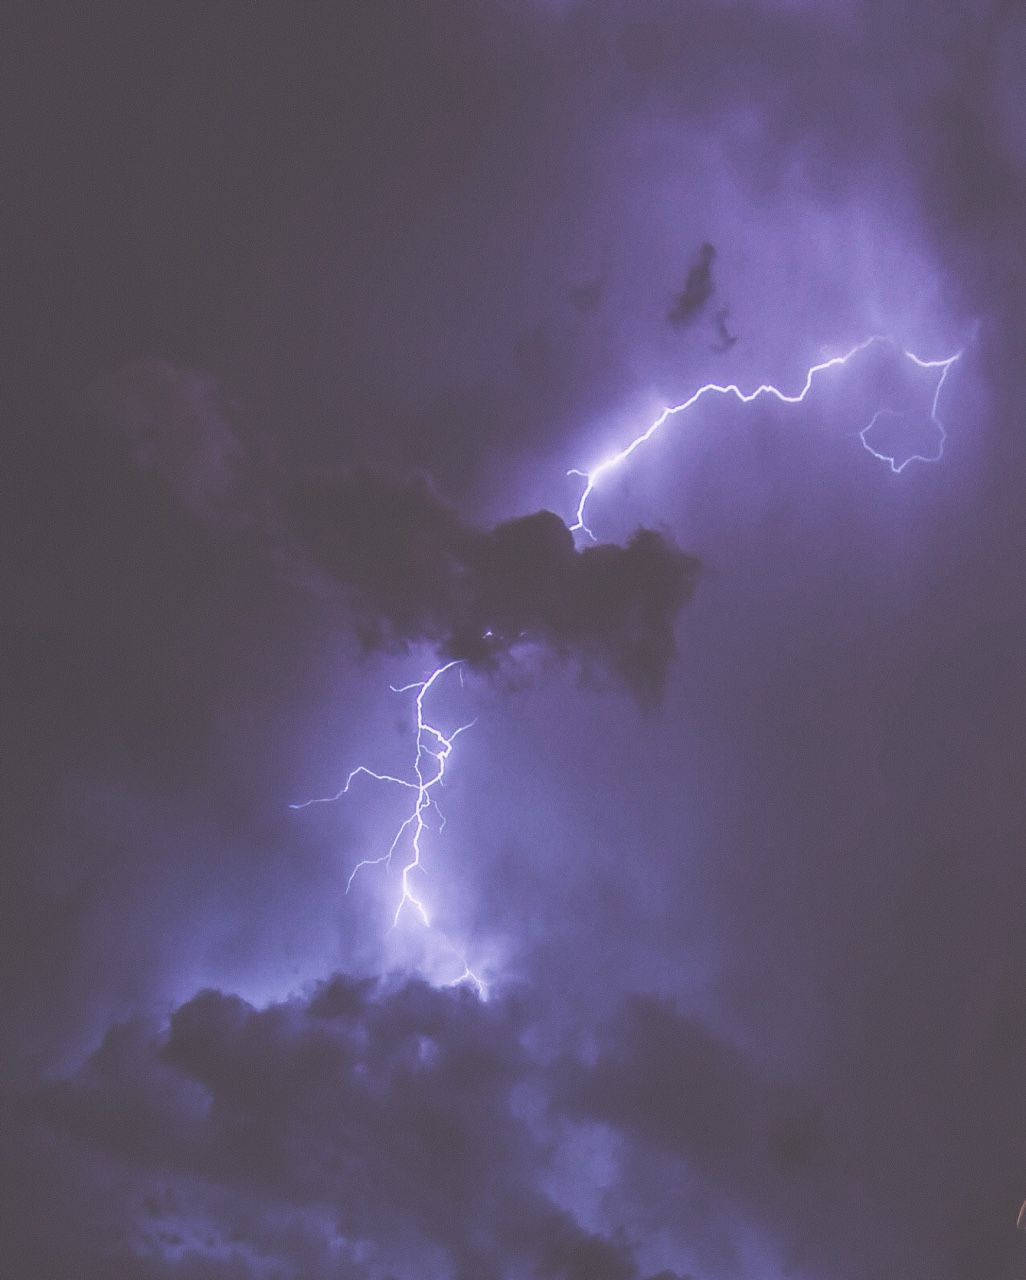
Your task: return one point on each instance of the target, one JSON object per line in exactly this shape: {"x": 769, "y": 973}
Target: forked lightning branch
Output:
{"x": 433, "y": 746}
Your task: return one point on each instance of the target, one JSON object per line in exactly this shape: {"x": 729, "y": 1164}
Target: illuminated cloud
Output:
{"x": 371, "y": 1126}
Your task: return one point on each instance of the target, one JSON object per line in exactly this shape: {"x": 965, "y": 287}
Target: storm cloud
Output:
{"x": 757, "y": 962}
{"x": 417, "y": 572}
{"x": 410, "y": 567}
{"x": 338, "y": 1134}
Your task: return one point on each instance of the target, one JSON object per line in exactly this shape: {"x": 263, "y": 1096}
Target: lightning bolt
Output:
{"x": 469, "y": 977}
{"x": 433, "y": 749}
{"x": 945, "y": 368}
{"x": 591, "y": 478}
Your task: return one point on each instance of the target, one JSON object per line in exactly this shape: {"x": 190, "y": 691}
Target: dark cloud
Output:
{"x": 698, "y": 289}
{"x": 879, "y": 1147}
{"x": 358, "y": 1129}
{"x": 667, "y": 1080}
{"x": 363, "y": 225}
{"x": 412, "y": 567}
{"x": 417, "y": 572}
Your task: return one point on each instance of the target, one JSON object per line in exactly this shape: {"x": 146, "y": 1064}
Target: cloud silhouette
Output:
{"x": 417, "y": 572}
{"x": 355, "y": 1130}
{"x": 697, "y": 291}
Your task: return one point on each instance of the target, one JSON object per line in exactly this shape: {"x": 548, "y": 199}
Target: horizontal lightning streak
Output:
{"x": 592, "y": 477}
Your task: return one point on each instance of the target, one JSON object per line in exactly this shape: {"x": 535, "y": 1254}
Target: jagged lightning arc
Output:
{"x": 592, "y": 477}
{"x": 433, "y": 749}
{"x": 433, "y": 746}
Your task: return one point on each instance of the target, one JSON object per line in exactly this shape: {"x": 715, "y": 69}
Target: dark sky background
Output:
{"x": 302, "y": 305}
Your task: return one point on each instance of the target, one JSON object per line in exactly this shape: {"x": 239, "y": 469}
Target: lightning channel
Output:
{"x": 593, "y": 476}
{"x": 899, "y": 467}
{"x": 433, "y": 747}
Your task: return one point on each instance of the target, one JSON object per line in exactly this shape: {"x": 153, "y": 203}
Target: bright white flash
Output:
{"x": 433, "y": 748}
{"x": 591, "y": 478}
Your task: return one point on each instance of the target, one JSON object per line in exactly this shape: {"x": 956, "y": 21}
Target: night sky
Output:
{"x": 306, "y": 312}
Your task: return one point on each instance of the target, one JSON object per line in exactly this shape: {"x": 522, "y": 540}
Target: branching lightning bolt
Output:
{"x": 591, "y": 478}
{"x": 433, "y": 749}
{"x": 945, "y": 368}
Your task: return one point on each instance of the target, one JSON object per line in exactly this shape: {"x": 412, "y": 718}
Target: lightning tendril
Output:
{"x": 433, "y": 746}
{"x": 592, "y": 477}
{"x": 433, "y": 749}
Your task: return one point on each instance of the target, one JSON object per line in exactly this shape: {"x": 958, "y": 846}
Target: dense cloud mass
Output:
{"x": 417, "y": 572}
{"x": 412, "y": 569}
{"x": 338, "y": 1133}
{"x": 755, "y": 964}
{"x": 323, "y": 1136}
